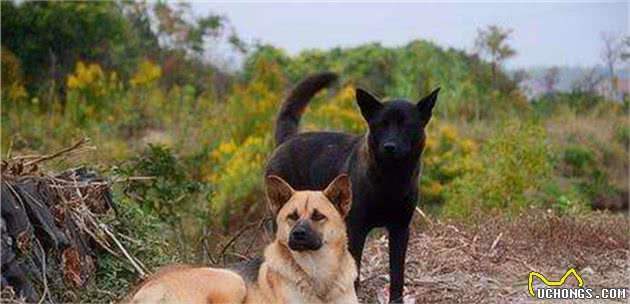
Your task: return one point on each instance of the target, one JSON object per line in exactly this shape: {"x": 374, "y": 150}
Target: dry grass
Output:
{"x": 598, "y": 134}
{"x": 489, "y": 262}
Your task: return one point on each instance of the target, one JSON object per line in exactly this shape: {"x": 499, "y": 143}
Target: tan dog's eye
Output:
{"x": 293, "y": 216}
{"x": 317, "y": 216}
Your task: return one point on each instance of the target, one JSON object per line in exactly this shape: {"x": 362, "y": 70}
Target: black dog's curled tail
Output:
{"x": 295, "y": 104}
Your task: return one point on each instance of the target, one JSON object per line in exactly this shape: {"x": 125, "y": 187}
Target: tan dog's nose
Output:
{"x": 302, "y": 237}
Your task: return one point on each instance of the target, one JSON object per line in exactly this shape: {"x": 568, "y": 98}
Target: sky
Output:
{"x": 545, "y": 34}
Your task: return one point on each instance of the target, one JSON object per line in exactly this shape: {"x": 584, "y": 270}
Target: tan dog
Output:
{"x": 308, "y": 262}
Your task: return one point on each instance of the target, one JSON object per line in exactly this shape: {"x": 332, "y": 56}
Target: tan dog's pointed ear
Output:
{"x": 339, "y": 192}
{"x": 278, "y": 192}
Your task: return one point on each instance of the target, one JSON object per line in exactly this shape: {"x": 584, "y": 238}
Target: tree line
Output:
{"x": 42, "y": 42}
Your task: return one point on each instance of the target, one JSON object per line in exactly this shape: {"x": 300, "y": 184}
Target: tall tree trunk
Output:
{"x": 613, "y": 80}
{"x": 493, "y": 66}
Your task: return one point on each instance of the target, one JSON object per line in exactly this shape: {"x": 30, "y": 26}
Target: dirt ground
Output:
{"x": 489, "y": 262}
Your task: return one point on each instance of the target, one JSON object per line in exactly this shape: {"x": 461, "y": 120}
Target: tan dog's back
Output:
{"x": 192, "y": 285}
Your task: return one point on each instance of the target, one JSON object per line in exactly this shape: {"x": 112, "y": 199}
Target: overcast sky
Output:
{"x": 545, "y": 34}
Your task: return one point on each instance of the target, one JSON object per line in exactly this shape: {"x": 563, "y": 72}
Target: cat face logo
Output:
{"x": 569, "y": 272}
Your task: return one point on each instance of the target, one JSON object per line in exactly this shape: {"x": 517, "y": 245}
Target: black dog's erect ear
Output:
{"x": 278, "y": 192}
{"x": 339, "y": 192}
{"x": 368, "y": 104}
{"x": 425, "y": 106}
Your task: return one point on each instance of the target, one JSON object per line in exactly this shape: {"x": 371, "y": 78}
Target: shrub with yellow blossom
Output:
{"x": 147, "y": 73}
{"x": 237, "y": 177}
{"x": 446, "y": 156}
{"x": 89, "y": 89}
{"x": 86, "y": 77}
{"x": 12, "y": 78}
{"x": 339, "y": 113}
{"x": 238, "y": 160}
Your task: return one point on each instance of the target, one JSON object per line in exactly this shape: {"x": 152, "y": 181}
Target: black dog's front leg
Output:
{"x": 398, "y": 239}
{"x": 356, "y": 240}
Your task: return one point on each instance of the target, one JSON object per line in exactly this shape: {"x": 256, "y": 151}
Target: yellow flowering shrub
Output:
{"x": 339, "y": 113}
{"x": 12, "y": 78}
{"x": 147, "y": 73}
{"x": 237, "y": 161}
{"x": 238, "y": 176}
{"x": 88, "y": 78}
{"x": 252, "y": 107}
{"x": 446, "y": 156}
{"x": 89, "y": 90}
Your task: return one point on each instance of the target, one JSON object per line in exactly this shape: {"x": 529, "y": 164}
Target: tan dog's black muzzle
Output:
{"x": 302, "y": 237}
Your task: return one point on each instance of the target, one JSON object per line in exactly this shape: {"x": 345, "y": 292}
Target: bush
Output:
{"x": 169, "y": 186}
{"x": 587, "y": 173}
{"x": 566, "y": 198}
{"x": 169, "y": 193}
{"x": 237, "y": 161}
{"x": 579, "y": 160}
{"x": 514, "y": 165}
{"x": 446, "y": 157}
{"x": 238, "y": 177}
{"x": 623, "y": 135}
{"x": 580, "y": 102}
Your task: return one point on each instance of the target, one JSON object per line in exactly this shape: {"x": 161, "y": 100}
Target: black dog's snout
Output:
{"x": 390, "y": 147}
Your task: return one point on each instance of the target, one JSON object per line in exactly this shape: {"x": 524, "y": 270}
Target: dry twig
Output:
{"x": 133, "y": 261}
{"x": 77, "y": 145}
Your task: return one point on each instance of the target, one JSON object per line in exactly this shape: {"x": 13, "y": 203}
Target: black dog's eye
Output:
{"x": 317, "y": 216}
{"x": 293, "y": 216}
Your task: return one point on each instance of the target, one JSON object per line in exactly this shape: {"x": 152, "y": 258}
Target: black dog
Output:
{"x": 383, "y": 164}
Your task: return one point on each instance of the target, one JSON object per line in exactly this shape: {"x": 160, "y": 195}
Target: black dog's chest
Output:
{"x": 382, "y": 208}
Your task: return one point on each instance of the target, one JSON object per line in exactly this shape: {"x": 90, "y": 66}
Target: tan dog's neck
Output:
{"x": 321, "y": 273}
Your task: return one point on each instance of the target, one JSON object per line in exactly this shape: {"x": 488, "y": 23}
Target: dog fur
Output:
{"x": 384, "y": 164}
{"x": 308, "y": 262}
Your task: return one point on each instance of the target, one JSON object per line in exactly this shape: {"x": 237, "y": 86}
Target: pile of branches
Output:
{"x": 51, "y": 228}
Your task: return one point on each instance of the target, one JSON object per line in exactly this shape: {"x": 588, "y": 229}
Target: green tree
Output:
{"x": 492, "y": 42}
{"x": 49, "y": 37}
{"x": 266, "y": 53}
{"x": 612, "y": 52}
{"x": 187, "y": 41}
